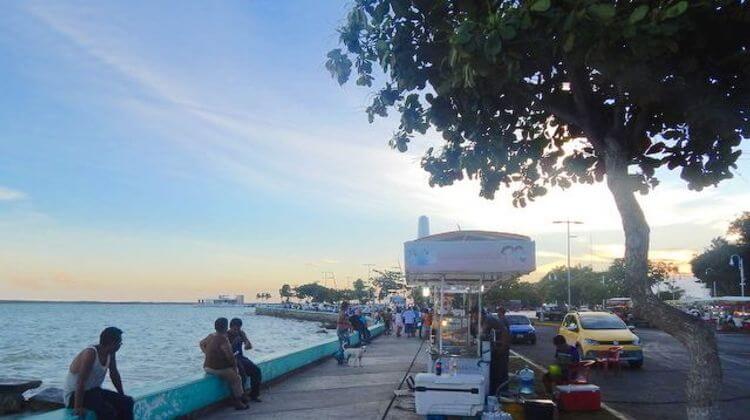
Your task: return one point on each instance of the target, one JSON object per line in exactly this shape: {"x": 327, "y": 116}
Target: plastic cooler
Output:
{"x": 454, "y": 395}
{"x": 579, "y": 397}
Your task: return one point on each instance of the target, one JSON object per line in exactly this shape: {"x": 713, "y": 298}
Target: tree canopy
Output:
{"x": 363, "y": 292}
{"x": 712, "y": 265}
{"x": 387, "y": 282}
{"x": 534, "y": 94}
{"x": 286, "y": 292}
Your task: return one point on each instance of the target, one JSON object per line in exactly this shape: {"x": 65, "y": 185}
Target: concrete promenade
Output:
{"x": 328, "y": 391}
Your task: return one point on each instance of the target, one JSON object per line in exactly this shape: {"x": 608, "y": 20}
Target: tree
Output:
{"x": 538, "y": 94}
{"x": 514, "y": 289}
{"x": 387, "y": 282}
{"x": 315, "y": 292}
{"x": 712, "y": 265}
{"x": 286, "y": 292}
{"x": 616, "y": 276}
{"x": 740, "y": 227}
{"x": 673, "y": 291}
{"x": 586, "y": 286}
{"x": 363, "y": 292}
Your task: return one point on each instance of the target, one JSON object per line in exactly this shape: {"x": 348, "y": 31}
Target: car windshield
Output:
{"x": 598, "y": 322}
{"x": 518, "y": 319}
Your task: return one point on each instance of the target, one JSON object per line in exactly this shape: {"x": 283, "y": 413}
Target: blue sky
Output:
{"x": 174, "y": 150}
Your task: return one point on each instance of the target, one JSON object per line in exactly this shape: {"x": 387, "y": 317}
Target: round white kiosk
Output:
{"x": 454, "y": 268}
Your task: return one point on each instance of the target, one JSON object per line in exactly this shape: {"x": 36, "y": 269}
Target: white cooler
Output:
{"x": 452, "y": 395}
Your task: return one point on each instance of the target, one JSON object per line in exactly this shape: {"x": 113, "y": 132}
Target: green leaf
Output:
{"x": 638, "y": 14}
{"x": 569, "y": 43}
{"x": 540, "y": 5}
{"x": 494, "y": 44}
{"x": 507, "y": 32}
{"x": 602, "y": 11}
{"x": 464, "y": 32}
{"x": 676, "y": 10}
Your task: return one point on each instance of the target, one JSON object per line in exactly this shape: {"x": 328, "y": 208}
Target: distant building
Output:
{"x": 223, "y": 300}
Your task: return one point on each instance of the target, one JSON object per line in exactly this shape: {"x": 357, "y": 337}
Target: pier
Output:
{"x": 326, "y": 390}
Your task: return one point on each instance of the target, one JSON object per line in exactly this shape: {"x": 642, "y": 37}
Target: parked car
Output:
{"x": 521, "y": 329}
{"x": 552, "y": 312}
{"x": 594, "y": 332}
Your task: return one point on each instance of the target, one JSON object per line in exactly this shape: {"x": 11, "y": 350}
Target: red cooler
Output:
{"x": 579, "y": 397}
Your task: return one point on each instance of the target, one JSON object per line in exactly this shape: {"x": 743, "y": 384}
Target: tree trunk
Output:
{"x": 704, "y": 374}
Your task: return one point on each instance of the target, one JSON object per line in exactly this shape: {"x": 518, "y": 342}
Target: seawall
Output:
{"x": 297, "y": 314}
{"x": 200, "y": 390}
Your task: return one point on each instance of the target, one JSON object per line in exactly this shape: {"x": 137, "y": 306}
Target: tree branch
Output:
{"x": 590, "y": 112}
{"x": 639, "y": 122}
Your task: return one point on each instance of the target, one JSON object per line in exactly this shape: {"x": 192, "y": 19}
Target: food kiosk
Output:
{"x": 454, "y": 268}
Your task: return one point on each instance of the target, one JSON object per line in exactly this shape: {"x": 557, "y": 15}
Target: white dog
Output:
{"x": 355, "y": 354}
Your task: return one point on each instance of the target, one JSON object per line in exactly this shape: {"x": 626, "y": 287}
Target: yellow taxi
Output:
{"x": 594, "y": 332}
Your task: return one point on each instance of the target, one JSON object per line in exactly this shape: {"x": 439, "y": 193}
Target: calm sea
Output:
{"x": 160, "y": 342}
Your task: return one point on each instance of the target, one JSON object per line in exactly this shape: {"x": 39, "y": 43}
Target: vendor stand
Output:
{"x": 458, "y": 265}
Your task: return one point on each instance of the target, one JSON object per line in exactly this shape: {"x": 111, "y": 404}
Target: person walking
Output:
{"x": 409, "y": 319}
{"x": 426, "y": 324}
{"x": 83, "y": 384}
{"x": 220, "y": 361}
{"x": 387, "y": 320}
{"x": 398, "y": 322}
{"x": 246, "y": 368}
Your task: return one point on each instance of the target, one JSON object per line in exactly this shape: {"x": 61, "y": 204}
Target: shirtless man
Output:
{"x": 86, "y": 374}
{"x": 220, "y": 361}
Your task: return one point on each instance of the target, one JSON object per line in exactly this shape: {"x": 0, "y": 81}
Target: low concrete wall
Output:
{"x": 202, "y": 390}
{"x": 297, "y": 314}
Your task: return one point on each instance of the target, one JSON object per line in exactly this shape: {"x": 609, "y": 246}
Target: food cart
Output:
{"x": 456, "y": 267}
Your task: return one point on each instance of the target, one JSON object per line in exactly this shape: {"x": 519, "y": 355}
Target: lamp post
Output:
{"x": 740, "y": 266}
{"x": 567, "y": 238}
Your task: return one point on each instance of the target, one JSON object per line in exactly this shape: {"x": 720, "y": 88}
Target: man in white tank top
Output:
{"x": 85, "y": 377}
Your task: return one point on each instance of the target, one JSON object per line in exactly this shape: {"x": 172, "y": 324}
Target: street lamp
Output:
{"x": 567, "y": 237}
{"x": 736, "y": 261}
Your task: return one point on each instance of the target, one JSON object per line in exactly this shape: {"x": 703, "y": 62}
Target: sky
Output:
{"x": 176, "y": 150}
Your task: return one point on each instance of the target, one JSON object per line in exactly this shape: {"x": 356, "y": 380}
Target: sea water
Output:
{"x": 160, "y": 341}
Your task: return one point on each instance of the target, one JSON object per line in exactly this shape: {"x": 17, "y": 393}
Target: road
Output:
{"x": 657, "y": 389}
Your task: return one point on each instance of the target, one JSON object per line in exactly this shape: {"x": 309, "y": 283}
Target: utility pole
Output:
{"x": 369, "y": 269}
{"x": 739, "y": 264}
{"x": 709, "y": 272}
{"x": 567, "y": 239}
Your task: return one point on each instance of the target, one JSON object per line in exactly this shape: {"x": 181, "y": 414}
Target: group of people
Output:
{"x": 350, "y": 320}
{"x": 224, "y": 358}
{"x": 223, "y": 350}
{"x": 408, "y": 321}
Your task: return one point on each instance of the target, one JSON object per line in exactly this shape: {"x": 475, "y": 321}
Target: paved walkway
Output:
{"x": 328, "y": 391}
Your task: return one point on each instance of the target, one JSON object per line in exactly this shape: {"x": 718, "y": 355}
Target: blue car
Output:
{"x": 521, "y": 330}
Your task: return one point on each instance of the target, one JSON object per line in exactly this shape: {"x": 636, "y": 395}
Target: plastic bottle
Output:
{"x": 438, "y": 367}
{"x": 526, "y": 375}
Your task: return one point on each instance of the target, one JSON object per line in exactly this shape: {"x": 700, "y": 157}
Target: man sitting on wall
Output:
{"x": 220, "y": 361}
{"x": 86, "y": 374}
{"x": 247, "y": 368}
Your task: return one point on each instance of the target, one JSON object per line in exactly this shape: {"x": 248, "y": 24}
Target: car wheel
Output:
{"x": 636, "y": 364}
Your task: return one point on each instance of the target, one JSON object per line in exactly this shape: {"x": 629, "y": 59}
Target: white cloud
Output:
{"x": 7, "y": 194}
